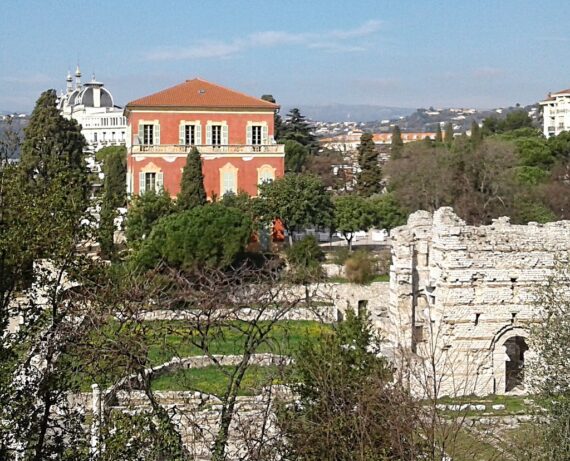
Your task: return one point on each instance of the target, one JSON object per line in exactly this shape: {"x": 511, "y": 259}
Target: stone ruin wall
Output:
{"x": 459, "y": 293}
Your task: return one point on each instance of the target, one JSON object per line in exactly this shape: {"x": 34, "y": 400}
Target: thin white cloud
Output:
{"x": 488, "y": 72}
{"x": 369, "y": 27}
{"x": 34, "y": 79}
{"x": 330, "y": 41}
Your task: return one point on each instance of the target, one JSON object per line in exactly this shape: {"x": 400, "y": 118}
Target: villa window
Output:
{"x": 256, "y": 135}
{"x": 151, "y": 181}
{"x": 228, "y": 179}
{"x": 189, "y": 135}
{"x": 95, "y": 137}
{"x": 216, "y": 135}
{"x": 266, "y": 173}
{"x": 149, "y": 133}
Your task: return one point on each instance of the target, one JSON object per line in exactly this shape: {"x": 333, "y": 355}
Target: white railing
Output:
{"x": 209, "y": 149}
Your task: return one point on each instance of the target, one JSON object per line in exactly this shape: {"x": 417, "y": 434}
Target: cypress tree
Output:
{"x": 114, "y": 196}
{"x": 397, "y": 146}
{"x": 369, "y": 180}
{"x": 53, "y": 145}
{"x": 476, "y": 134}
{"x": 438, "y": 134}
{"x": 192, "y": 192}
{"x": 448, "y": 133}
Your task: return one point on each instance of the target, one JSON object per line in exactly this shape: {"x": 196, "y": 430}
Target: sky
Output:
{"x": 400, "y": 53}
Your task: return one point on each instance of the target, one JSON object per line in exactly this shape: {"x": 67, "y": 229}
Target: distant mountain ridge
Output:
{"x": 348, "y": 112}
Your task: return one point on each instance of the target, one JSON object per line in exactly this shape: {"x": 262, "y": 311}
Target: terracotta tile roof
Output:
{"x": 562, "y": 91}
{"x": 200, "y": 93}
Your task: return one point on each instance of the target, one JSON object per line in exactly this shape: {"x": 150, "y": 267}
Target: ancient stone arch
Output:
{"x": 509, "y": 348}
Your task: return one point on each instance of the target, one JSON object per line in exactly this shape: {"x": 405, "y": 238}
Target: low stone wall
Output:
{"x": 330, "y": 301}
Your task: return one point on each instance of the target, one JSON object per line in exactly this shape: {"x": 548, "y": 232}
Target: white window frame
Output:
{"x": 197, "y": 132}
{"x": 154, "y": 126}
{"x": 224, "y": 133}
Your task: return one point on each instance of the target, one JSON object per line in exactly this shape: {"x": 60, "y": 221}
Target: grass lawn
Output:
{"x": 213, "y": 380}
{"x": 172, "y": 339}
{"x": 469, "y": 447}
{"x": 155, "y": 342}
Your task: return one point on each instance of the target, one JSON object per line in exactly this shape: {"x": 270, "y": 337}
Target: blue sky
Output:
{"x": 405, "y": 53}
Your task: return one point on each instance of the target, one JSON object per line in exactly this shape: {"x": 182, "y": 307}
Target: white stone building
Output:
{"x": 92, "y": 105}
{"x": 556, "y": 113}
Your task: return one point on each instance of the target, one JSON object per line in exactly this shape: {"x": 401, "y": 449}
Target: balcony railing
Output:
{"x": 209, "y": 149}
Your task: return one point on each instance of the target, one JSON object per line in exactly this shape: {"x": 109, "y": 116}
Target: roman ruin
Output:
{"x": 462, "y": 298}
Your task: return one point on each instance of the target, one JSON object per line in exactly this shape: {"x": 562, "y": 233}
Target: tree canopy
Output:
{"x": 352, "y": 213}
{"x": 212, "y": 236}
{"x": 299, "y": 200}
{"x": 144, "y": 212}
{"x": 296, "y": 156}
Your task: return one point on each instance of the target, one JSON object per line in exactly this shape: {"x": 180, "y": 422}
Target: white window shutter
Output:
{"x": 198, "y": 134}
{"x": 249, "y": 135}
{"x": 159, "y": 182}
{"x": 182, "y": 134}
{"x": 208, "y": 134}
{"x": 157, "y": 134}
{"x": 140, "y": 133}
{"x": 142, "y": 183}
{"x": 225, "y": 135}
{"x": 264, "y": 135}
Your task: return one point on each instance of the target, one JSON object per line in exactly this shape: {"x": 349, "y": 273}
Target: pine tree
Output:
{"x": 296, "y": 128}
{"x": 369, "y": 180}
{"x": 448, "y": 133}
{"x": 192, "y": 192}
{"x": 397, "y": 146}
{"x": 438, "y": 134}
{"x": 52, "y": 145}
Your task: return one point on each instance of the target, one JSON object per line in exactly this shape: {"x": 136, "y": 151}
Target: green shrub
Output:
{"x": 211, "y": 235}
{"x": 305, "y": 258}
{"x": 360, "y": 267}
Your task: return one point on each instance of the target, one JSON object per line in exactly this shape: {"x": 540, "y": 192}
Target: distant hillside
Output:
{"x": 348, "y": 112}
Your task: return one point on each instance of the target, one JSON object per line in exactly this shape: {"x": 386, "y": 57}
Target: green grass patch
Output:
{"x": 469, "y": 447}
{"x": 214, "y": 380}
{"x": 109, "y": 354}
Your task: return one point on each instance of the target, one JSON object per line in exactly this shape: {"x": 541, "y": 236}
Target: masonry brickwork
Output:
{"x": 467, "y": 295}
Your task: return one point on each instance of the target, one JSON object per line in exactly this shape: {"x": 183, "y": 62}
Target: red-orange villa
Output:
{"x": 234, "y": 133}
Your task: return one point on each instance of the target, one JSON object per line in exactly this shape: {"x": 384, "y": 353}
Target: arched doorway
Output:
{"x": 515, "y": 348}
{"x": 509, "y": 351}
